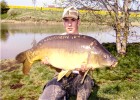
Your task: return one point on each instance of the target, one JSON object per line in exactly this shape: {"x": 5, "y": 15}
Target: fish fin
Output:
{"x": 68, "y": 73}
{"x": 26, "y": 66}
{"x": 84, "y": 76}
{"x": 21, "y": 57}
{"x": 62, "y": 74}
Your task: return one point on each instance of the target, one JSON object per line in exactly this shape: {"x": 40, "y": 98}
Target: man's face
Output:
{"x": 71, "y": 25}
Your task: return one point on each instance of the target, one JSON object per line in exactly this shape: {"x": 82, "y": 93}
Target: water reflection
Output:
{"x": 16, "y": 38}
{"x": 4, "y": 32}
{"x": 56, "y": 28}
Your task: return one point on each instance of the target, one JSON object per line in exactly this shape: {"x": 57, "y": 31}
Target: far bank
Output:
{"x": 20, "y": 15}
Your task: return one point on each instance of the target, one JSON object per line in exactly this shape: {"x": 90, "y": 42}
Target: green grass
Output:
{"x": 119, "y": 83}
{"x": 33, "y": 15}
{"x": 15, "y": 85}
{"x": 4, "y": 16}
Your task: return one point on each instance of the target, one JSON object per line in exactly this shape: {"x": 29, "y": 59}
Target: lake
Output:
{"x": 16, "y": 38}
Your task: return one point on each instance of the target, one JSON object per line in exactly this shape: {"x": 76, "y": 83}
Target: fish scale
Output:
{"x": 67, "y": 52}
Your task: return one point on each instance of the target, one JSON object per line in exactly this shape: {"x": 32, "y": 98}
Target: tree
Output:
{"x": 4, "y": 7}
{"x": 118, "y": 16}
{"x": 121, "y": 24}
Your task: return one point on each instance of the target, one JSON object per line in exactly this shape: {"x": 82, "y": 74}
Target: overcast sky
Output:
{"x": 29, "y": 2}
{"x": 41, "y": 3}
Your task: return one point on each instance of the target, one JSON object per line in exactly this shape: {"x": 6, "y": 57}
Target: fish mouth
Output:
{"x": 114, "y": 64}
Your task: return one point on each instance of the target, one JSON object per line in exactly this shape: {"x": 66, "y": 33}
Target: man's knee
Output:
{"x": 84, "y": 90}
{"x": 88, "y": 82}
{"x": 52, "y": 91}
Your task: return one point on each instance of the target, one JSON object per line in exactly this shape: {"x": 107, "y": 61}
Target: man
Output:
{"x": 68, "y": 86}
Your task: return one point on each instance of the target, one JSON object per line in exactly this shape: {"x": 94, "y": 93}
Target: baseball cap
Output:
{"x": 70, "y": 12}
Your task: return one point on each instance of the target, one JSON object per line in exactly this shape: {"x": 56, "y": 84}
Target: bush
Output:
{"x": 12, "y": 12}
{"x": 4, "y": 7}
{"x": 3, "y": 16}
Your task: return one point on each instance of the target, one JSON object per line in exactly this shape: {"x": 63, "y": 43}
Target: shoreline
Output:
{"x": 30, "y": 22}
{"x": 48, "y": 22}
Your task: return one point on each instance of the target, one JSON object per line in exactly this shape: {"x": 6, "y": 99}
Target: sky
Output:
{"x": 29, "y": 2}
{"x": 41, "y": 3}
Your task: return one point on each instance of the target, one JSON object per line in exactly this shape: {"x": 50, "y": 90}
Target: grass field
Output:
{"x": 120, "y": 83}
{"x": 102, "y": 12}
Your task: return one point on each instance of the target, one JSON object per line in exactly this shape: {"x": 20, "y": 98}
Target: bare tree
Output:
{"x": 121, "y": 23}
{"x": 121, "y": 12}
{"x": 118, "y": 16}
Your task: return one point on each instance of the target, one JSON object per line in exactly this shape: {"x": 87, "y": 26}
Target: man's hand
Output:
{"x": 83, "y": 69}
{"x": 44, "y": 61}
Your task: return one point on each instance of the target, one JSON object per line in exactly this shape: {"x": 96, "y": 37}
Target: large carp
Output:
{"x": 67, "y": 52}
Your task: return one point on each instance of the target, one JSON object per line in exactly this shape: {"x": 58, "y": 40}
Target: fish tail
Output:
{"x": 21, "y": 57}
